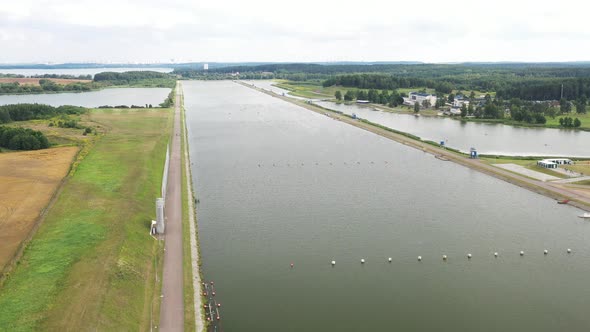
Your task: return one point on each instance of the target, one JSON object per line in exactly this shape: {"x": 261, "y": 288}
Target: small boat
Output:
{"x": 585, "y": 215}
{"x": 563, "y": 201}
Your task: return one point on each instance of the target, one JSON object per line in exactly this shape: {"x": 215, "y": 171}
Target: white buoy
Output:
{"x": 362, "y": 261}
{"x": 469, "y": 256}
{"x": 569, "y": 251}
{"x": 333, "y": 263}
{"x": 444, "y": 257}
{"x": 419, "y": 258}
{"x": 495, "y": 254}
{"x": 522, "y": 253}
{"x": 545, "y": 252}
{"x": 389, "y": 259}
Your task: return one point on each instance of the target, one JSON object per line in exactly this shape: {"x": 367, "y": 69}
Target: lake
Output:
{"x": 278, "y": 184}
{"x": 110, "y": 96}
{"x": 487, "y": 138}
{"x": 77, "y": 71}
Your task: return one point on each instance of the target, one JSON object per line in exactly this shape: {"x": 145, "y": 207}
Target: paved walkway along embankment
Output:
{"x": 172, "y": 308}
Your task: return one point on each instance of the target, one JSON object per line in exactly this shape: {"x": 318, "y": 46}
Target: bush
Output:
{"x": 22, "y": 139}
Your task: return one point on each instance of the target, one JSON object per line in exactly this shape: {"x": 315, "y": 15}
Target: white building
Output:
{"x": 419, "y": 97}
{"x": 552, "y": 163}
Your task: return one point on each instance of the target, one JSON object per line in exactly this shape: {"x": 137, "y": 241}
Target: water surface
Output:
{"x": 111, "y": 97}
{"x": 280, "y": 184}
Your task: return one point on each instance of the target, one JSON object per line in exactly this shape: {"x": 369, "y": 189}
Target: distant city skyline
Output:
{"x": 151, "y": 31}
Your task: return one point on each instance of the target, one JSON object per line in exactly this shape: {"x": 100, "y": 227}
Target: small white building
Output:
{"x": 552, "y": 163}
{"x": 419, "y": 97}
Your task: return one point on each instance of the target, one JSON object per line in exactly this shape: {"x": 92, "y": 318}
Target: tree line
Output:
{"x": 25, "y": 112}
{"x": 16, "y": 138}
{"x": 384, "y": 97}
{"x": 45, "y": 86}
{"x": 137, "y": 78}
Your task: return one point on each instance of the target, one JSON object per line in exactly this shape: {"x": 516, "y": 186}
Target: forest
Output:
{"x": 25, "y": 112}
{"x": 136, "y": 78}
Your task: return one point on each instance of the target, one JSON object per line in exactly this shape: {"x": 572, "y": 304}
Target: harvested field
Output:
{"x": 35, "y": 81}
{"x": 29, "y": 180}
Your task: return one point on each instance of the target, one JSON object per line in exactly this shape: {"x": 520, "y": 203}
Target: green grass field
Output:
{"x": 91, "y": 265}
{"x": 584, "y": 118}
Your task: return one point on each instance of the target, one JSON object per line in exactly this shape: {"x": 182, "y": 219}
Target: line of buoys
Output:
{"x": 445, "y": 257}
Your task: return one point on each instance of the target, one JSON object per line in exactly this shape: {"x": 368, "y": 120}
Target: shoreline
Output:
{"x": 539, "y": 187}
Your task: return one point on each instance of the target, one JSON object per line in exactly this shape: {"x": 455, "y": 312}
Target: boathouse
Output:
{"x": 552, "y": 163}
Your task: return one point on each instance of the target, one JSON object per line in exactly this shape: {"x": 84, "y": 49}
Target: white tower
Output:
{"x": 160, "y": 227}
{"x": 206, "y": 66}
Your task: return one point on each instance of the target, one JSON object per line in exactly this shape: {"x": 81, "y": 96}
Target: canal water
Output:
{"x": 487, "y": 138}
{"x": 111, "y": 97}
{"x": 278, "y": 184}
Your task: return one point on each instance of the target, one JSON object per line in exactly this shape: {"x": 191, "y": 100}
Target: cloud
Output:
{"x": 309, "y": 30}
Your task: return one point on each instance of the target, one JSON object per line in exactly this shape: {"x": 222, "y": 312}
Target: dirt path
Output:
{"x": 172, "y": 308}
{"x": 544, "y": 188}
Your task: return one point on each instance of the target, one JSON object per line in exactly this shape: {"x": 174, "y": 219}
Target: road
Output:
{"x": 577, "y": 198}
{"x": 172, "y": 307}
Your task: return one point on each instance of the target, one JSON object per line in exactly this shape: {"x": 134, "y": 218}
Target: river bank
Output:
{"x": 576, "y": 199}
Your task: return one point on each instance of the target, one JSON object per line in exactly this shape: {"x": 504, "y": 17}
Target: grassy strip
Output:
{"x": 93, "y": 255}
{"x": 189, "y": 310}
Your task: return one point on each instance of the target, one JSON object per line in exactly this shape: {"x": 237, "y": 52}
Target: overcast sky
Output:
{"x": 302, "y": 30}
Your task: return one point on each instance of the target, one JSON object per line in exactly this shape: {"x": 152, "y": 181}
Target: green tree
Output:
{"x": 463, "y": 110}
{"x": 470, "y": 109}
{"x": 338, "y": 95}
{"x": 581, "y": 105}
{"x": 349, "y": 95}
{"x": 577, "y": 123}
{"x": 416, "y": 107}
{"x": 426, "y": 103}
{"x": 451, "y": 98}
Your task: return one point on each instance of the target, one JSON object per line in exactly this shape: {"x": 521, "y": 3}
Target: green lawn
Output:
{"x": 91, "y": 265}
{"x": 584, "y": 118}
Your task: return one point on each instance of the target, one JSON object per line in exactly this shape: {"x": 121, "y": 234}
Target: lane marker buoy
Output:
{"x": 522, "y": 253}
{"x": 495, "y": 254}
{"x": 469, "y": 256}
{"x": 419, "y": 258}
{"x": 444, "y": 257}
{"x": 362, "y": 261}
{"x": 389, "y": 259}
{"x": 545, "y": 252}
{"x": 569, "y": 251}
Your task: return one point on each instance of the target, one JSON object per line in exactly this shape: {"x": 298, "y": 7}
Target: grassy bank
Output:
{"x": 189, "y": 309}
{"x": 91, "y": 264}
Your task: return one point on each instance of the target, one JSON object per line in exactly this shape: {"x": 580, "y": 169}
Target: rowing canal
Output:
{"x": 279, "y": 184}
